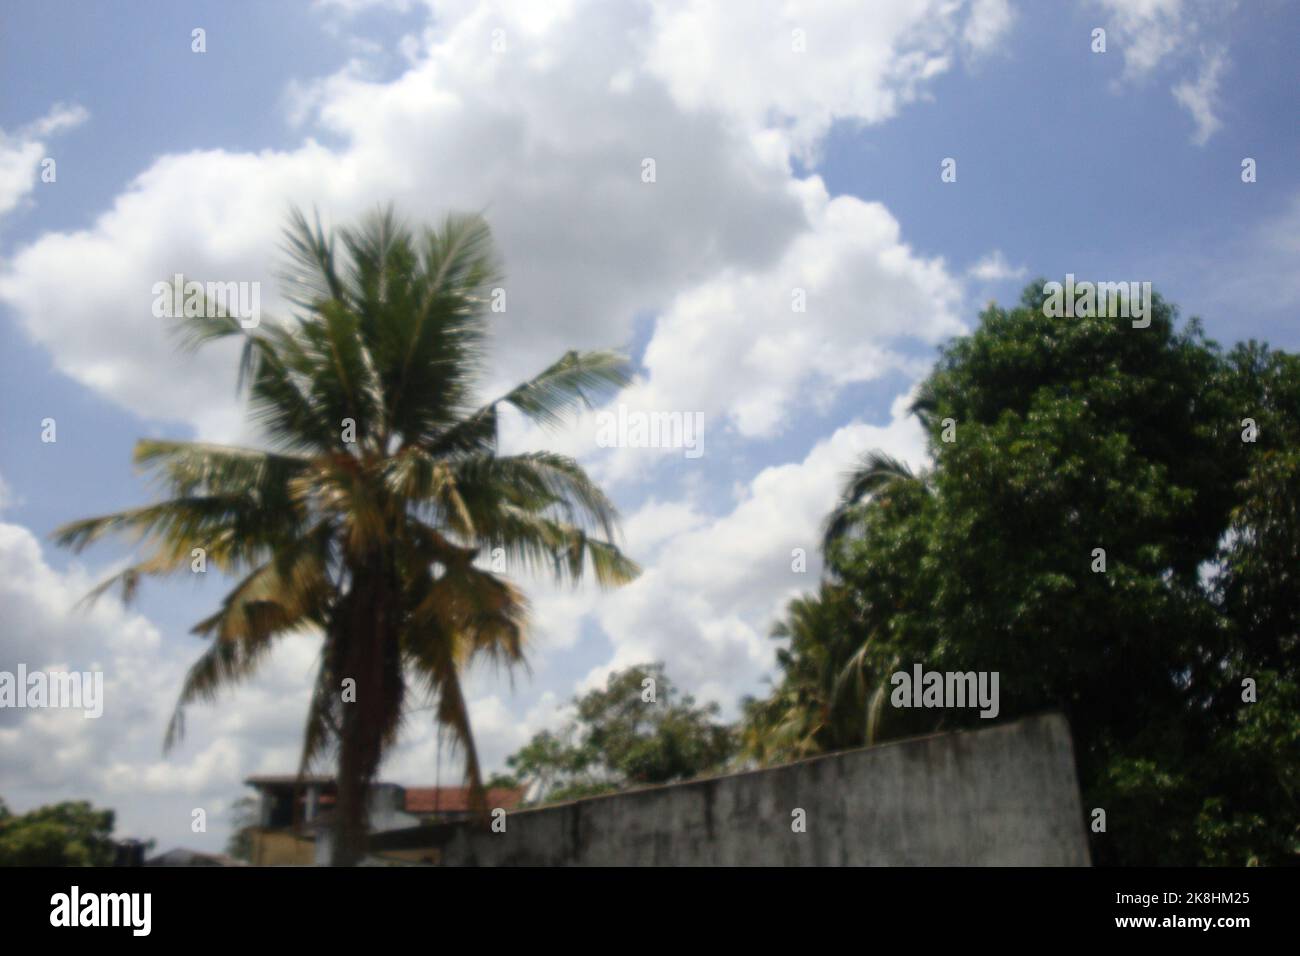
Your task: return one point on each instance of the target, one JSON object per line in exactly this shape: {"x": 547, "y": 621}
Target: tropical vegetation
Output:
{"x": 378, "y": 511}
{"x": 1109, "y": 521}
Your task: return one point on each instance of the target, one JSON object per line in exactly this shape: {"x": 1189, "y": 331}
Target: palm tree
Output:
{"x": 874, "y": 474}
{"x": 819, "y": 704}
{"x": 368, "y": 517}
{"x": 876, "y": 477}
{"x": 827, "y": 698}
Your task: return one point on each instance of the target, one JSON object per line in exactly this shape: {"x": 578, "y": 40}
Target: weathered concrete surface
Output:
{"x": 1003, "y": 796}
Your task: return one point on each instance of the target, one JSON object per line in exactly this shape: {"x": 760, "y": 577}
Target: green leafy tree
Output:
{"x": 72, "y": 833}
{"x": 381, "y": 496}
{"x": 243, "y": 818}
{"x": 1076, "y": 442}
{"x": 637, "y": 730}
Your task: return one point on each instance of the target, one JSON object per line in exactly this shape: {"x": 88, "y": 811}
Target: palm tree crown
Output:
{"x": 380, "y": 497}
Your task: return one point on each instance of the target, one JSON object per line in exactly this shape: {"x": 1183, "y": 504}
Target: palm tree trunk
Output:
{"x": 350, "y": 813}
{"x": 370, "y": 655}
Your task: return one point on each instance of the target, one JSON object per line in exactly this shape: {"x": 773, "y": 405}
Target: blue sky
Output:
{"x": 776, "y": 170}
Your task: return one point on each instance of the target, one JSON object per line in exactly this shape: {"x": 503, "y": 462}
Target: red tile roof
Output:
{"x": 456, "y": 799}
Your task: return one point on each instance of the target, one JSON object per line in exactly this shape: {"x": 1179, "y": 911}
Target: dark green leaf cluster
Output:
{"x": 1068, "y": 436}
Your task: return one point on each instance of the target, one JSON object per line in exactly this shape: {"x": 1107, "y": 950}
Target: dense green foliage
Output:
{"x": 812, "y": 708}
{"x": 1069, "y": 435}
{"x": 630, "y": 733}
{"x": 65, "y": 834}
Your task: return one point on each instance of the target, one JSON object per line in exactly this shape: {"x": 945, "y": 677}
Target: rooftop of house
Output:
{"x": 276, "y": 780}
{"x": 415, "y": 800}
{"x": 456, "y": 799}
{"x": 180, "y": 856}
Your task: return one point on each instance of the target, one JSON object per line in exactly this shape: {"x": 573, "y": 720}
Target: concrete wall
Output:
{"x": 281, "y": 848}
{"x": 1002, "y": 796}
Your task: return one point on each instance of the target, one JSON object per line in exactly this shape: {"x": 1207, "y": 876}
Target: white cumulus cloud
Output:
{"x": 22, "y": 152}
